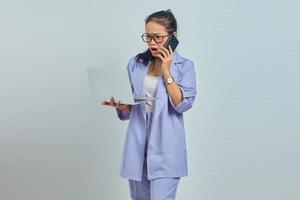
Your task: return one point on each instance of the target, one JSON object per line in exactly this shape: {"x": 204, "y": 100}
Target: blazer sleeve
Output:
{"x": 187, "y": 85}
{"x": 122, "y": 115}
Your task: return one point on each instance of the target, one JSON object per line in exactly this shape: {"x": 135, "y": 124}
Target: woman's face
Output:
{"x": 160, "y": 33}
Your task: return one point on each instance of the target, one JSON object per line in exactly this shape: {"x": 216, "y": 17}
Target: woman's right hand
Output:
{"x": 118, "y": 105}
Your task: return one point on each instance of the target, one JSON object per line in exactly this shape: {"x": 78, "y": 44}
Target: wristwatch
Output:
{"x": 169, "y": 80}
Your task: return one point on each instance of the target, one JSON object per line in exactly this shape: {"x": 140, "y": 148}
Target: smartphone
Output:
{"x": 172, "y": 41}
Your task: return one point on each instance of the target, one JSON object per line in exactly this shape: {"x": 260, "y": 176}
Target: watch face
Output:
{"x": 169, "y": 80}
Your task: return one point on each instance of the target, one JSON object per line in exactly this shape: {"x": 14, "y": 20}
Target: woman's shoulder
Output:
{"x": 179, "y": 57}
{"x": 182, "y": 63}
{"x": 134, "y": 63}
{"x": 132, "y": 59}
{"x": 131, "y": 63}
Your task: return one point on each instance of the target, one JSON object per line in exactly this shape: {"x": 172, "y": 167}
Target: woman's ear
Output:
{"x": 175, "y": 34}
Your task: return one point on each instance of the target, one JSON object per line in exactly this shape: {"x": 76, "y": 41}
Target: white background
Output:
{"x": 57, "y": 142}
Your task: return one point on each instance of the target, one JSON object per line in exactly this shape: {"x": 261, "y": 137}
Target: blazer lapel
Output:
{"x": 138, "y": 77}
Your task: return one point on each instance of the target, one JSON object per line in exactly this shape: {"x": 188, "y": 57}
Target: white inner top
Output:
{"x": 150, "y": 88}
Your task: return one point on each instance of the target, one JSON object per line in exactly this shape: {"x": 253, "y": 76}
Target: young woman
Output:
{"x": 154, "y": 153}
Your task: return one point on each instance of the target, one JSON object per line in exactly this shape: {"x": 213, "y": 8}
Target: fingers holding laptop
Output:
{"x": 110, "y": 103}
{"x": 113, "y": 103}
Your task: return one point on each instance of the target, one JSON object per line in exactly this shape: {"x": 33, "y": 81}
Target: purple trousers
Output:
{"x": 155, "y": 189}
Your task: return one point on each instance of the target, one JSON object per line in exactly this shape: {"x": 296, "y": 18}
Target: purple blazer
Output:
{"x": 166, "y": 154}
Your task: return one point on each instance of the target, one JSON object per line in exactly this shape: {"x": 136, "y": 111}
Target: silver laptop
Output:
{"x": 106, "y": 83}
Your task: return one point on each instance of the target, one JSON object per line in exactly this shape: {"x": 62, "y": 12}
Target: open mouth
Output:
{"x": 154, "y": 49}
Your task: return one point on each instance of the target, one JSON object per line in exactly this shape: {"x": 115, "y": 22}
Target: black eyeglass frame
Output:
{"x": 152, "y": 37}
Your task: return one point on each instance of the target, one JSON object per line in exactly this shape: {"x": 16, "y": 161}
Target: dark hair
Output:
{"x": 164, "y": 18}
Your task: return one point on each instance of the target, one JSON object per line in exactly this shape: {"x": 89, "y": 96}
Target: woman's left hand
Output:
{"x": 166, "y": 60}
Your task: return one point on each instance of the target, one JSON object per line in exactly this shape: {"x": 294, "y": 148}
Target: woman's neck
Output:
{"x": 155, "y": 67}
{"x": 156, "y": 62}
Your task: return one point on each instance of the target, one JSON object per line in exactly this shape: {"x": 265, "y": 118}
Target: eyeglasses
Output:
{"x": 157, "y": 38}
